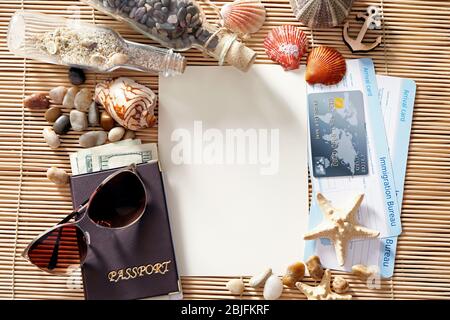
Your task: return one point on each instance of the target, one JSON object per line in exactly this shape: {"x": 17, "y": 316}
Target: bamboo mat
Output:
{"x": 416, "y": 45}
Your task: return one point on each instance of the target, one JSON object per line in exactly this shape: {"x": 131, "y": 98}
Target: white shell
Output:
{"x": 131, "y": 104}
{"x": 258, "y": 280}
{"x": 273, "y": 288}
{"x": 321, "y": 13}
{"x": 235, "y": 286}
{"x": 243, "y": 16}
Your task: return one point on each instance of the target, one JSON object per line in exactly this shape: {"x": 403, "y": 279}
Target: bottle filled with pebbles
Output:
{"x": 180, "y": 25}
{"x": 77, "y": 44}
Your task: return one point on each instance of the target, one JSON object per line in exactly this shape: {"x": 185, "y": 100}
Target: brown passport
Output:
{"x": 134, "y": 262}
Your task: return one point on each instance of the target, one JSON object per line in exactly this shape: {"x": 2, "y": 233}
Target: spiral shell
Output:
{"x": 321, "y": 13}
{"x": 325, "y": 65}
{"x": 286, "y": 45}
{"x": 129, "y": 103}
{"x": 243, "y": 16}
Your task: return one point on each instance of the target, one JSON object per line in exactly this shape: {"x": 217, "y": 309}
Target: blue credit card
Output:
{"x": 338, "y": 134}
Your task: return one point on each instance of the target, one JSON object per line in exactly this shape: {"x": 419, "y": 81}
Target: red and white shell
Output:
{"x": 286, "y": 45}
{"x": 243, "y": 16}
{"x": 129, "y": 103}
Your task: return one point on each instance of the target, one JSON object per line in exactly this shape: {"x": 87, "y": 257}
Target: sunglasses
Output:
{"x": 118, "y": 202}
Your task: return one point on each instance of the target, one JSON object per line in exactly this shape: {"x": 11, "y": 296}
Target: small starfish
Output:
{"x": 322, "y": 291}
{"x": 340, "y": 226}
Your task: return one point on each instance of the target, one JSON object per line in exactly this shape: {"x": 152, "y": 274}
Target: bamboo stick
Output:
{"x": 416, "y": 46}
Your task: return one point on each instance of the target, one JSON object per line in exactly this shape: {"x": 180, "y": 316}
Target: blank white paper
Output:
{"x": 233, "y": 150}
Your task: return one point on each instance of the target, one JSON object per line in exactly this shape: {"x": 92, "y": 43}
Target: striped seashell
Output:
{"x": 321, "y": 13}
{"x": 325, "y": 65}
{"x": 243, "y": 16}
{"x": 129, "y": 103}
{"x": 286, "y": 45}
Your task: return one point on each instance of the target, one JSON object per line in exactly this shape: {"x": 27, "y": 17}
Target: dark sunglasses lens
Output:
{"x": 119, "y": 202}
{"x": 59, "y": 250}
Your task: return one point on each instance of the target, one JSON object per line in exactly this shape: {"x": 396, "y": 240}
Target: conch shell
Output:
{"x": 131, "y": 104}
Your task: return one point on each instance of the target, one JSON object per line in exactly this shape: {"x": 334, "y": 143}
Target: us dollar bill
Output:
{"x": 81, "y": 161}
{"x": 123, "y": 156}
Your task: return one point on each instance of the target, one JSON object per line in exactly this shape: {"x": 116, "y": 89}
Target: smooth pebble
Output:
{"x": 129, "y": 134}
{"x": 363, "y": 272}
{"x": 52, "y": 114}
{"x": 37, "y": 100}
{"x": 294, "y": 273}
{"x": 57, "y": 176}
{"x": 57, "y": 94}
{"x": 62, "y": 124}
{"x": 78, "y": 120}
{"x": 93, "y": 116}
{"x": 115, "y": 134}
{"x": 106, "y": 121}
{"x": 77, "y": 76}
{"x": 315, "y": 268}
{"x": 273, "y": 288}
{"x": 172, "y": 19}
{"x": 235, "y": 286}
{"x": 259, "y": 279}
{"x": 83, "y": 100}
{"x": 69, "y": 98}
{"x": 51, "y": 138}
{"x": 93, "y": 138}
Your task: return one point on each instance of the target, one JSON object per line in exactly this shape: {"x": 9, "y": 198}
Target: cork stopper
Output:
{"x": 237, "y": 54}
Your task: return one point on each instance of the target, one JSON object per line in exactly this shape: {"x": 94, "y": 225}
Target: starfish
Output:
{"x": 340, "y": 226}
{"x": 322, "y": 291}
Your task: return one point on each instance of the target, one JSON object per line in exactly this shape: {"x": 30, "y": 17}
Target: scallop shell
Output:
{"x": 321, "y": 13}
{"x": 286, "y": 45}
{"x": 325, "y": 65}
{"x": 131, "y": 104}
{"x": 243, "y": 16}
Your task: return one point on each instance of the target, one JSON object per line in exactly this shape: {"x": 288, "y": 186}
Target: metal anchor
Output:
{"x": 372, "y": 20}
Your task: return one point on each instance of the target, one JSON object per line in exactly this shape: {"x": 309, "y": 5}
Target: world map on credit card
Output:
{"x": 338, "y": 134}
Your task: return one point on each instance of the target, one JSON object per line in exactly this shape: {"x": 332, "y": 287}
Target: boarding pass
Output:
{"x": 367, "y": 145}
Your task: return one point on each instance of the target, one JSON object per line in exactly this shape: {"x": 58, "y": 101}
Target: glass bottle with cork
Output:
{"x": 74, "y": 43}
{"x": 180, "y": 25}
